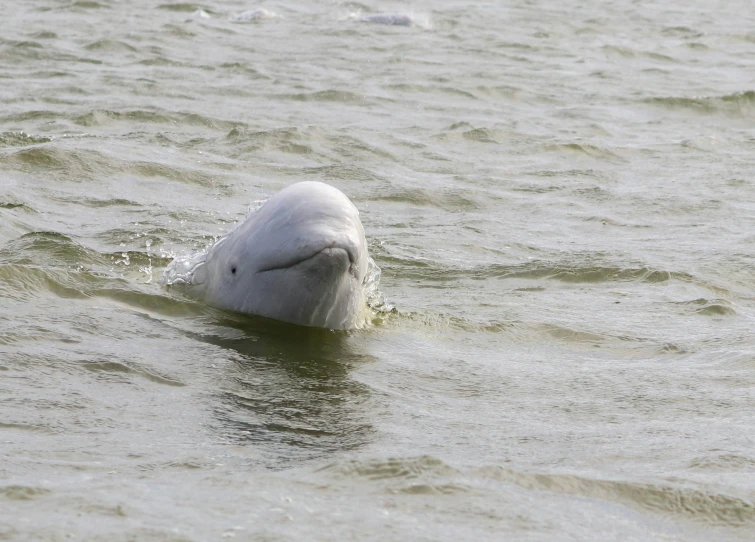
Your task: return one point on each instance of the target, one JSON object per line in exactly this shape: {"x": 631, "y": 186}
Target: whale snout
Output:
{"x": 337, "y": 259}
{"x": 338, "y": 254}
{"x": 349, "y": 246}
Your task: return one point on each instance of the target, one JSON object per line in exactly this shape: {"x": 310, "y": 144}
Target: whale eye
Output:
{"x": 233, "y": 269}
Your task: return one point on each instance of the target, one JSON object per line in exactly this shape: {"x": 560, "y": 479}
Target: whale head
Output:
{"x": 300, "y": 258}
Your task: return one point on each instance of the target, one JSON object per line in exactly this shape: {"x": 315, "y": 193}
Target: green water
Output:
{"x": 560, "y": 198}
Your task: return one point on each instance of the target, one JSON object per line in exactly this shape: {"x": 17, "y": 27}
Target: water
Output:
{"x": 559, "y": 196}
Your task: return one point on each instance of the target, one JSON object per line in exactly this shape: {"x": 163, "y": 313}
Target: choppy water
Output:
{"x": 559, "y": 194}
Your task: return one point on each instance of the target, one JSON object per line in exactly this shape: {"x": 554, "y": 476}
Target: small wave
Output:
{"x": 290, "y": 140}
{"x": 21, "y": 139}
{"x": 723, "y": 463}
{"x": 109, "y": 202}
{"x": 21, "y": 493}
{"x": 584, "y": 149}
{"x": 481, "y": 135}
{"x": 41, "y": 263}
{"x": 25, "y": 116}
{"x": 423, "y": 475}
{"x": 27, "y": 51}
{"x": 312, "y": 142}
{"x": 69, "y": 162}
{"x": 626, "y": 52}
{"x": 104, "y": 117}
{"x": 131, "y": 368}
{"x": 330, "y": 95}
{"x": 162, "y": 61}
{"x": 570, "y": 335}
{"x": 188, "y": 176}
{"x": 681, "y": 31}
{"x": 26, "y": 427}
{"x": 692, "y": 504}
{"x": 507, "y": 92}
{"x": 28, "y": 333}
{"x": 88, "y": 4}
{"x": 181, "y": 7}
{"x": 82, "y": 164}
{"x": 26, "y": 44}
{"x": 537, "y": 270}
{"x": 406, "y": 468}
{"x": 355, "y": 7}
{"x": 45, "y": 35}
{"x": 478, "y": 135}
{"x": 110, "y": 45}
{"x": 24, "y": 282}
{"x": 449, "y": 200}
{"x": 343, "y": 172}
{"x": 581, "y": 274}
{"x": 51, "y": 248}
{"x": 519, "y": 332}
{"x": 16, "y": 205}
{"x": 737, "y": 103}
{"x": 176, "y": 465}
{"x": 433, "y": 489}
{"x": 710, "y": 307}
{"x": 159, "y": 303}
{"x": 238, "y": 67}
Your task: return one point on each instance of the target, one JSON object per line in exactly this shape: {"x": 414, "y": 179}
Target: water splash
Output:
{"x": 372, "y": 294}
{"x": 147, "y": 269}
{"x": 184, "y": 270}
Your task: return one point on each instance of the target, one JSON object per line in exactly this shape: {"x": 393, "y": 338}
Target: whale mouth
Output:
{"x": 333, "y": 252}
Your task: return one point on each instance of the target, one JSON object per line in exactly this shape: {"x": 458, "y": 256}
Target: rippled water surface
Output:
{"x": 559, "y": 194}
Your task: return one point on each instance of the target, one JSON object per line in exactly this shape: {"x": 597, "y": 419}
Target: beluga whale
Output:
{"x": 300, "y": 258}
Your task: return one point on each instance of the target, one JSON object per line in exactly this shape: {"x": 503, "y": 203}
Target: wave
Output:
{"x": 340, "y": 149}
{"x": 330, "y": 95}
{"x": 21, "y": 139}
{"x": 182, "y": 7}
{"x": 698, "y": 505}
{"x": 87, "y": 164}
{"x": 423, "y": 475}
{"x": 734, "y": 104}
{"x": 450, "y": 200}
{"x": 102, "y": 117}
{"x": 537, "y": 270}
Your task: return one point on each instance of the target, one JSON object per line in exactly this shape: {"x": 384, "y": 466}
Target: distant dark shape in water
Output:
{"x": 391, "y": 19}
{"x": 252, "y": 15}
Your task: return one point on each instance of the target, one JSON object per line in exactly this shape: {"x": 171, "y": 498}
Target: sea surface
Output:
{"x": 560, "y": 195}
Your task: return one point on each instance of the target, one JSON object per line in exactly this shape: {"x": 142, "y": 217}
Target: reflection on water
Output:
{"x": 288, "y": 389}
